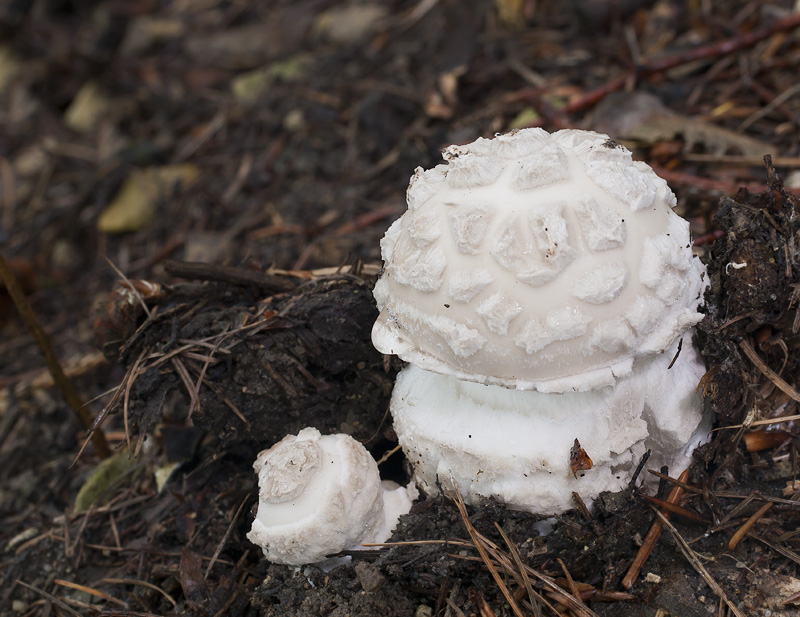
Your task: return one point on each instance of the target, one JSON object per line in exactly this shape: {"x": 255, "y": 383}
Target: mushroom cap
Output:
{"x": 317, "y": 496}
{"x": 537, "y": 262}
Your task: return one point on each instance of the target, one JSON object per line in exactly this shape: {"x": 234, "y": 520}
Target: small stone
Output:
{"x": 423, "y": 611}
{"x": 369, "y": 576}
{"x": 19, "y": 606}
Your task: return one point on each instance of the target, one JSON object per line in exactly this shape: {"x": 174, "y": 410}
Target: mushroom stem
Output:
{"x": 515, "y": 445}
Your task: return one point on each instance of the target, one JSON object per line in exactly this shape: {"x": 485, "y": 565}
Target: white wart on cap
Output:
{"x": 537, "y": 262}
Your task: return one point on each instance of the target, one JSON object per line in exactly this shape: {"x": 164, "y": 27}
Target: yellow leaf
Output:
{"x": 9, "y": 68}
{"x": 99, "y": 486}
{"x": 87, "y": 108}
{"x": 524, "y": 119}
{"x": 136, "y": 202}
{"x": 163, "y": 474}
{"x": 249, "y": 86}
{"x": 511, "y": 12}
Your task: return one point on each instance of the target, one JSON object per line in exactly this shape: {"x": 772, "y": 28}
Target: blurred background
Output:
{"x": 281, "y": 134}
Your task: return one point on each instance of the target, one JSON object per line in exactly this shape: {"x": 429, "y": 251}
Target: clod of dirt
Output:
{"x": 254, "y": 369}
{"x": 752, "y": 319}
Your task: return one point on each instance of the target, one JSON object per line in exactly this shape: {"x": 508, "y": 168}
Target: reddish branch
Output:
{"x": 653, "y": 535}
{"x": 722, "y": 48}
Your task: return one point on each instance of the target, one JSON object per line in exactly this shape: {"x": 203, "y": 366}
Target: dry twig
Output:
{"x": 652, "y": 536}
{"x": 51, "y": 360}
{"x": 481, "y": 548}
{"x": 493, "y": 557}
{"x": 768, "y": 372}
{"x": 742, "y": 531}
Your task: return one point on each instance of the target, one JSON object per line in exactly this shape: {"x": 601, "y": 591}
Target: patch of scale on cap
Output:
{"x": 547, "y": 166}
{"x": 286, "y": 469}
{"x": 562, "y": 323}
{"x": 424, "y": 228}
{"x": 613, "y": 336}
{"x": 510, "y": 146}
{"x": 579, "y": 141}
{"x": 420, "y": 268}
{"x": 612, "y": 168}
{"x": 601, "y": 227}
{"x": 463, "y": 285}
{"x": 663, "y": 267}
{"x": 424, "y": 185}
{"x": 462, "y": 340}
{"x": 537, "y": 254}
{"x": 468, "y": 225}
{"x": 601, "y": 284}
{"x": 643, "y": 313}
{"x": 468, "y": 171}
{"x": 498, "y": 310}
{"x": 662, "y": 188}
{"x": 390, "y": 239}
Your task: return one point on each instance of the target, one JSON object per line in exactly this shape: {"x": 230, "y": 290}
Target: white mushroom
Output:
{"x": 552, "y": 271}
{"x": 319, "y": 495}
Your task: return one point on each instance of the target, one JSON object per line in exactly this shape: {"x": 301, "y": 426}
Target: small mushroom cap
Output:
{"x": 317, "y": 496}
{"x": 537, "y": 262}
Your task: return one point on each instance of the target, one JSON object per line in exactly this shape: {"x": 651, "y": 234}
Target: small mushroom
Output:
{"x": 539, "y": 286}
{"x": 320, "y": 495}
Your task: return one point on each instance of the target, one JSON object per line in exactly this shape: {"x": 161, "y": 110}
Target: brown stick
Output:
{"x": 652, "y": 536}
{"x": 668, "y": 506}
{"x": 686, "y": 487}
{"x": 740, "y": 533}
{"x": 228, "y": 274}
{"x": 50, "y": 358}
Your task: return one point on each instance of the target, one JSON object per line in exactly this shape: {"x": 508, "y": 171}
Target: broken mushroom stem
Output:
{"x": 319, "y": 495}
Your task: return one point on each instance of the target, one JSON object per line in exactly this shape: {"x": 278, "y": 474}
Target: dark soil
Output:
{"x": 297, "y": 125}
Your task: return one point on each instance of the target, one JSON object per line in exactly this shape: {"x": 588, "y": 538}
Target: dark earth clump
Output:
{"x": 752, "y": 305}
{"x": 271, "y": 366}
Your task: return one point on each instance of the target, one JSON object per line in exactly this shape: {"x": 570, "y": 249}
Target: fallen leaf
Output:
{"x": 87, "y": 108}
{"x": 642, "y": 116}
{"x": 525, "y": 118}
{"x": 249, "y": 86}
{"x": 280, "y": 32}
{"x": 347, "y": 25}
{"x": 146, "y": 31}
{"x": 136, "y": 202}
{"x": 107, "y": 473}
{"x": 190, "y": 575}
{"x": 578, "y": 459}
{"x": 164, "y": 473}
{"x": 9, "y": 68}
{"x": 511, "y": 12}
